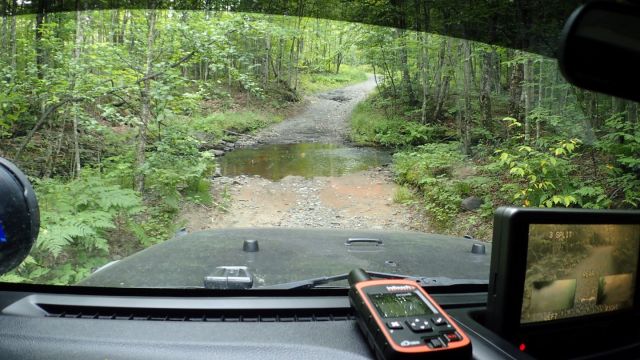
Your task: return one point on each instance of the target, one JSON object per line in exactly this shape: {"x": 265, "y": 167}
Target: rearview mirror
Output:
{"x": 600, "y": 49}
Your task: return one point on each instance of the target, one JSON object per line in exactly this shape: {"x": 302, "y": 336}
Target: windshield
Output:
{"x": 272, "y": 148}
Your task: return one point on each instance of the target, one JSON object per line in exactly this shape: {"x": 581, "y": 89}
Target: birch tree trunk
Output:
{"x": 423, "y": 76}
{"x": 145, "y": 100}
{"x": 76, "y": 60}
{"x": 468, "y": 113}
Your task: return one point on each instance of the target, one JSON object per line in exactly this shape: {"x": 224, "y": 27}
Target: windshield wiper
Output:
{"x": 422, "y": 281}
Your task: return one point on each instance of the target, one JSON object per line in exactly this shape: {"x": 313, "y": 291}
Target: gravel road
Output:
{"x": 325, "y": 119}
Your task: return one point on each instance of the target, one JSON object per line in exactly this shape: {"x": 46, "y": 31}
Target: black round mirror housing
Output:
{"x": 19, "y": 216}
{"x": 600, "y": 48}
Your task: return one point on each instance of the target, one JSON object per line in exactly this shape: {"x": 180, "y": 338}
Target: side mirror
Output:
{"x": 600, "y": 48}
{"x": 19, "y": 216}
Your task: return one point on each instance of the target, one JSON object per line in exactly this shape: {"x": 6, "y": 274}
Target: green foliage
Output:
{"x": 77, "y": 218}
{"x": 174, "y": 166}
{"x": 541, "y": 178}
{"x": 622, "y": 143}
{"x": 428, "y": 169}
{"x": 371, "y": 126}
{"x": 430, "y": 160}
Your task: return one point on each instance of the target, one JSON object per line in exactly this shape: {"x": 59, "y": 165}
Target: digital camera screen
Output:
{"x": 577, "y": 270}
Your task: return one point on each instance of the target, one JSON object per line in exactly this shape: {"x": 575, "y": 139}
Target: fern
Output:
{"x": 75, "y": 220}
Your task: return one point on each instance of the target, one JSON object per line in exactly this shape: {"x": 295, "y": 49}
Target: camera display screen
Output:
{"x": 575, "y": 270}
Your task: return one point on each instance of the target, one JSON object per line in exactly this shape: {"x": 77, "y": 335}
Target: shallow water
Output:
{"x": 274, "y": 162}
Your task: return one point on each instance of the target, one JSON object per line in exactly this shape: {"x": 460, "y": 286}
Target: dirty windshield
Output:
{"x": 221, "y": 148}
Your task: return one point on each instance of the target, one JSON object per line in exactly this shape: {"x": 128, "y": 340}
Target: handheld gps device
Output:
{"x": 567, "y": 275}
{"x": 401, "y": 321}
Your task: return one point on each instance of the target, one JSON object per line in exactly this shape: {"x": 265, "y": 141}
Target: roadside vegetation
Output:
{"x": 474, "y": 127}
{"x": 326, "y": 81}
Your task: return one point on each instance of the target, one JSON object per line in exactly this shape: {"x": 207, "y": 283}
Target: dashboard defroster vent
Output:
{"x": 213, "y": 315}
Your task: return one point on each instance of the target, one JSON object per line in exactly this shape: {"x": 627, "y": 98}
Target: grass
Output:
{"x": 321, "y": 82}
{"x": 403, "y": 195}
{"x": 226, "y": 125}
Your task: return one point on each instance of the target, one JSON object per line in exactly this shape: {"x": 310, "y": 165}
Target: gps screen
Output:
{"x": 576, "y": 270}
{"x": 400, "y": 305}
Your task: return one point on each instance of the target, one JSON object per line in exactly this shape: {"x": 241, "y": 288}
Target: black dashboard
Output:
{"x": 79, "y": 326}
{"x": 46, "y": 325}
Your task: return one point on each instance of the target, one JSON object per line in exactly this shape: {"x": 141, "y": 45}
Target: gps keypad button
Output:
{"x": 435, "y": 343}
{"x": 451, "y": 337}
{"x": 446, "y": 328}
{"x": 439, "y": 321}
{"x": 394, "y": 325}
{"x": 419, "y": 325}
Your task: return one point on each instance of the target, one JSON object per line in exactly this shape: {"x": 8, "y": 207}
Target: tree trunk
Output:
{"x": 145, "y": 101}
{"x": 465, "y": 129}
{"x": 528, "y": 98}
{"x": 76, "y": 59}
{"x": 339, "y": 53}
{"x": 442, "y": 78}
{"x": 123, "y": 29}
{"x": 40, "y": 57}
{"x": 6, "y": 13}
{"x": 423, "y": 76}
{"x": 389, "y": 74}
{"x": 299, "y": 50}
{"x": 407, "y": 89}
{"x": 496, "y": 72}
{"x": 267, "y": 52}
{"x": 515, "y": 90}
{"x": 632, "y": 112}
{"x": 290, "y": 65}
{"x": 12, "y": 35}
{"x": 540, "y": 96}
{"x": 485, "y": 91}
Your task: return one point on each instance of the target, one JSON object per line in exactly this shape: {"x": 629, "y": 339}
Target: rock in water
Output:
{"x": 472, "y": 203}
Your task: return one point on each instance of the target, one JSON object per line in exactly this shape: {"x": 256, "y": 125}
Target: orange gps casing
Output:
{"x": 391, "y": 342}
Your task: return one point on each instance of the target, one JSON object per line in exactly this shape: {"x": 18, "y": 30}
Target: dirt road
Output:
{"x": 325, "y": 119}
{"x": 361, "y": 200}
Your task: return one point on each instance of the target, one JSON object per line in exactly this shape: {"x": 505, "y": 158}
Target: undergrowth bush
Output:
{"x": 428, "y": 168}
{"x": 371, "y": 126}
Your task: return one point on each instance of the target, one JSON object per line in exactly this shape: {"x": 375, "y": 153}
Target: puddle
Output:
{"x": 274, "y": 162}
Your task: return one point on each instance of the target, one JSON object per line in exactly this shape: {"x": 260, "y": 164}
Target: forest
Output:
{"x": 114, "y": 115}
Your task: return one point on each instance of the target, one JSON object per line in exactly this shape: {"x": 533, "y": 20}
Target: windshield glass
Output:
{"x": 244, "y": 150}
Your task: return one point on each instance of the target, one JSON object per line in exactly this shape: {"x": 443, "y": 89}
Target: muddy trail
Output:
{"x": 302, "y": 173}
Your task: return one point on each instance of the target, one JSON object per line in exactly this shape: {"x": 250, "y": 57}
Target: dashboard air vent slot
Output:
{"x": 201, "y": 315}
